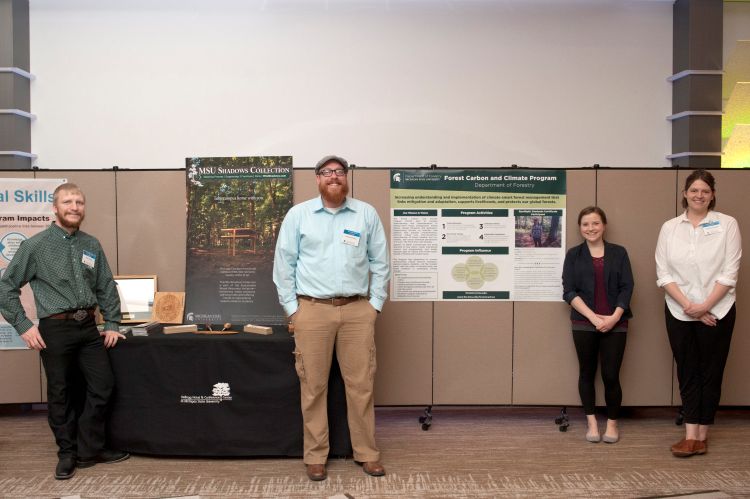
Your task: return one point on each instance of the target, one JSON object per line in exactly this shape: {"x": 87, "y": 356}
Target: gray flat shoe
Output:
{"x": 594, "y": 439}
{"x": 610, "y": 440}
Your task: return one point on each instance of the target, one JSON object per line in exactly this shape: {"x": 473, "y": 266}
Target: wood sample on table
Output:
{"x": 169, "y": 306}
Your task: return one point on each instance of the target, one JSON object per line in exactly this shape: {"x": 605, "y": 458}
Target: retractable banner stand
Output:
{"x": 477, "y": 234}
{"x": 235, "y": 209}
{"x": 25, "y": 210}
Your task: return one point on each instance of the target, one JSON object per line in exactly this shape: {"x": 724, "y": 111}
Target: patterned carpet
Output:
{"x": 468, "y": 453}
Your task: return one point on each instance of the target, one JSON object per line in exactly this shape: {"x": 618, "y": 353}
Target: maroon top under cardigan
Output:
{"x": 601, "y": 306}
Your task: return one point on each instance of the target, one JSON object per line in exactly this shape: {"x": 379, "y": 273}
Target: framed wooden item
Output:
{"x": 136, "y": 297}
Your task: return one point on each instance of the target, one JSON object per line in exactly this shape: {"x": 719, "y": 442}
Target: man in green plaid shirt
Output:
{"x": 69, "y": 274}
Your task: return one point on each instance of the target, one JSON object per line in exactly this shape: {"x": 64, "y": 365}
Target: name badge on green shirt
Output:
{"x": 88, "y": 259}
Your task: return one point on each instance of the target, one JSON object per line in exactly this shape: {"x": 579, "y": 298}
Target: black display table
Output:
{"x": 198, "y": 395}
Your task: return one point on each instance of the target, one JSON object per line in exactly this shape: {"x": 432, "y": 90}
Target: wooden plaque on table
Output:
{"x": 169, "y": 306}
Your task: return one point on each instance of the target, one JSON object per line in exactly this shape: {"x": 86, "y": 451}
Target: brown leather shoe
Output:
{"x": 373, "y": 468}
{"x": 687, "y": 448}
{"x": 316, "y": 472}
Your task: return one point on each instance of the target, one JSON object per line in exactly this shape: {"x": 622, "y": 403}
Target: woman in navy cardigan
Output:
{"x": 598, "y": 284}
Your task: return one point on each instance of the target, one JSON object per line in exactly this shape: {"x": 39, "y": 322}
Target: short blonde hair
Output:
{"x": 67, "y": 187}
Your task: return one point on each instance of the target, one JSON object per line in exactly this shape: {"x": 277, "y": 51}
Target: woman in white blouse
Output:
{"x": 697, "y": 262}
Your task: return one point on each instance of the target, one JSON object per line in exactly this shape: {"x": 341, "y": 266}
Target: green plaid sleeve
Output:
{"x": 20, "y": 270}
{"x": 106, "y": 294}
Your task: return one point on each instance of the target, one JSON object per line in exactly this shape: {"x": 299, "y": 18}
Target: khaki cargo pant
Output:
{"x": 318, "y": 327}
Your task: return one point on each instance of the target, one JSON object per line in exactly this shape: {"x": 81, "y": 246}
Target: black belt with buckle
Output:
{"x": 77, "y": 315}
{"x": 336, "y": 301}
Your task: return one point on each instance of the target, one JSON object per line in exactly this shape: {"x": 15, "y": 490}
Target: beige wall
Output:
{"x": 20, "y": 370}
{"x": 151, "y": 226}
{"x": 442, "y": 353}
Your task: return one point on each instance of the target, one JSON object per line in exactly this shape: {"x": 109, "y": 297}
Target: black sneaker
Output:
{"x": 66, "y": 468}
{"x": 105, "y": 457}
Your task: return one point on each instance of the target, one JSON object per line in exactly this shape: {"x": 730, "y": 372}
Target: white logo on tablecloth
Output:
{"x": 220, "y": 393}
{"x": 221, "y": 390}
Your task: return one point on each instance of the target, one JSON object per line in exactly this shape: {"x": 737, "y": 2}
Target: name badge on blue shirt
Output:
{"x": 712, "y": 227}
{"x": 88, "y": 259}
{"x": 351, "y": 237}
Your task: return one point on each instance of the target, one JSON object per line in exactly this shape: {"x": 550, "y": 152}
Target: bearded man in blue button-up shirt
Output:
{"x": 331, "y": 271}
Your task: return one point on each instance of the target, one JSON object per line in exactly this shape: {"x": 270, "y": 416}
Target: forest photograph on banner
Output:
{"x": 235, "y": 209}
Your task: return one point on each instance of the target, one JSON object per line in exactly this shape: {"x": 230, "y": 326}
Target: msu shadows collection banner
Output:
{"x": 235, "y": 209}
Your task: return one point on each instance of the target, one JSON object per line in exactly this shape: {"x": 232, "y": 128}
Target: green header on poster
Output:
{"x": 506, "y": 180}
{"x": 474, "y": 213}
{"x": 415, "y": 213}
{"x": 475, "y": 250}
{"x": 538, "y": 213}
{"x": 476, "y": 295}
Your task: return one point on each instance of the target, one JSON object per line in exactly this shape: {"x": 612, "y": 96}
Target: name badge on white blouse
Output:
{"x": 351, "y": 237}
{"x": 88, "y": 259}
{"x": 713, "y": 227}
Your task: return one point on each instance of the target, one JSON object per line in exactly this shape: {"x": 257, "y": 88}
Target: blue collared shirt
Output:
{"x": 313, "y": 258}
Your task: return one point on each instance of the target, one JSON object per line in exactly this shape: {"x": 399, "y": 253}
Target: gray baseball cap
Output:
{"x": 331, "y": 159}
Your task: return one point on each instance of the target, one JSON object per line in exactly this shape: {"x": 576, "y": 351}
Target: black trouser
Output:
{"x": 590, "y": 347}
{"x": 77, "y": 405}
{"x": 700, "y": 352}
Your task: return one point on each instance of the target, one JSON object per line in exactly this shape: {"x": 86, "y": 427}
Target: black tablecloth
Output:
{"x": 169, "y": 398}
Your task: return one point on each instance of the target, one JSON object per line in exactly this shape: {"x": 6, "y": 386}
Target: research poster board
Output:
{"x": 477, "y": 234}
{"x": 235, "y": 209}
{"x": 25, "y": 210}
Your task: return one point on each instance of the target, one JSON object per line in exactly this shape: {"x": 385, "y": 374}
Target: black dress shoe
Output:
{"x": 105, "y": 457}
{"x": 66, "y": 468}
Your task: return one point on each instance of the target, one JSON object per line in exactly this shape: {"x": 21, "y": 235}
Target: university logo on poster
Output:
{"x": 235, "y": 209}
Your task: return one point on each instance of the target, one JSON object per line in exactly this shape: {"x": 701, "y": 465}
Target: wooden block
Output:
{"x": 184, "y": 328}
{"x": 252, "y": 328}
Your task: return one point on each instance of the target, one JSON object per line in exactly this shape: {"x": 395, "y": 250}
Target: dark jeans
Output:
{"x": 79, "y": 385}
{"x": 700, "y": 353}
{"x": 590, "y": 347}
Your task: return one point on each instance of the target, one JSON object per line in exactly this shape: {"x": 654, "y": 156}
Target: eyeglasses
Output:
{"x": 327, "y": 173}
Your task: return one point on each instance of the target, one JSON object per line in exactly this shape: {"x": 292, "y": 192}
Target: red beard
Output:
{"x": 334, "y": 197}
{"x": 75, "y": 225}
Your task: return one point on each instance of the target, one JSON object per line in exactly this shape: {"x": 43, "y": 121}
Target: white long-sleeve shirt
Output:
{"x": 696, "y": 258}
